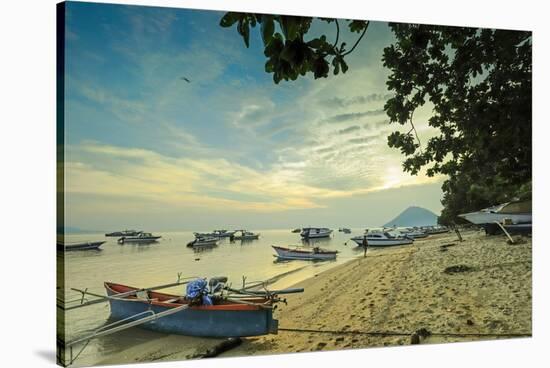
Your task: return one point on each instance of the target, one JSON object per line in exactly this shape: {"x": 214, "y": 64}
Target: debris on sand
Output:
{"x": 458, "y": 269}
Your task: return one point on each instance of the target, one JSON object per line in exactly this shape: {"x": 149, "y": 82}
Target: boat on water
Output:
{"x": 252, "y": 316}
{"x": 315, "y": 232}
{"x": 216, "y": 233}
{"x": 518, "y": 212}
{"x": 303, "y": 253}
{"x": 244, "y": 235}
{"x": 94, "y": 245}
{"x": 204, "y": 241}
{"x": 123, "y": 233}
{"x": 382, "y": 239}
{"x": 141, "y": 238}
{"x": 344, "y": 230}
{"x": 223, "y": 233}
{"x": 297, "y": 230}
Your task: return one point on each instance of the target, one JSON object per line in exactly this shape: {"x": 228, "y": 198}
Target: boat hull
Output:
{"x": 202, "y": 321}
{"x": 150, "y": 240}
{"x": 80, "y": 246}
{"x": 482, "y": 217}
{"x": 383, "y": 242}
{"x": 285, "y": 253}
{"x": 311, "y": 235}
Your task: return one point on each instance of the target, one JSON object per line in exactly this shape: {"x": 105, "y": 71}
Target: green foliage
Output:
{"x": 288, "y": 54}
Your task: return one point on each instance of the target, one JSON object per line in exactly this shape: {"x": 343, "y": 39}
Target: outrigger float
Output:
{"x": 209, "y": 309}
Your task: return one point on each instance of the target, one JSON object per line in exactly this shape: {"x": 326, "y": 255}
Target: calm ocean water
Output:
{"x": 159, "y": 263}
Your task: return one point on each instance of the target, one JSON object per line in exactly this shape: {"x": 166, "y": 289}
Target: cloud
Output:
{"x": 350, "y": 129}
{"x": 353, "y": 116}
{"x": 362, "y": 140}
{"x": 356, "y": 100}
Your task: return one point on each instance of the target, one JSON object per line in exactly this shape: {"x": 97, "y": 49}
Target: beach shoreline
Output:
{"x": 435, "y": 290}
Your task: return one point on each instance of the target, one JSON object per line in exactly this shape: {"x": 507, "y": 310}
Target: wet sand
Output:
{"x": 398, "y": 289}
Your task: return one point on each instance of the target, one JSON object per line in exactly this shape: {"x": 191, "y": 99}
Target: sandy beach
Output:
{"x": 405, "y": 289}
{"x": 396, "y": 292}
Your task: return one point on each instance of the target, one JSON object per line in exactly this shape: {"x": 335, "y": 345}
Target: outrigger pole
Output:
{"x": 103, "y": 298}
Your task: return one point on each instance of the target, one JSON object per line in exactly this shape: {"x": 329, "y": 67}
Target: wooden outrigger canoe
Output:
{"x": 251, "y": 316}
{"x": 304, "y": 253}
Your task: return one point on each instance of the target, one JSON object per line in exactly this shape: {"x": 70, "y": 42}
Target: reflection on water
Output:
{"x": 145, "y": 265}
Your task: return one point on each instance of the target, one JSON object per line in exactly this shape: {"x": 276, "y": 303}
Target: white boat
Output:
{"x": 411, "y": 233}
{"x": 382, "y": 239}
{"x": 223, "y": 233}
{"x": 204, "y": 241}
{"x": 314, "y": 253}
{"x": 519, "y": 212}
{"x": 315, "y": 232}
{"x": 142, "y": 238}
{"x": 245, "y": 235}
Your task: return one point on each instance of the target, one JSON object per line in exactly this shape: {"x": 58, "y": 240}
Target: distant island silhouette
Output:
{"x": 413, "y": 216}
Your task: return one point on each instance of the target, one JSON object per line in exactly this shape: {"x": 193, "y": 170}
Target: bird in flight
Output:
{"x": 185, "y": 79}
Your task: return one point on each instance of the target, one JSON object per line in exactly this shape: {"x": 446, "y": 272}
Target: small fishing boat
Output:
{"x": 123, "y": 233}
{"x": 245, "y": 235}
{"x": 297, "y": 230}
{"x": 141, "y": 238}
{"x": 411, "y": 233}
{"x": 434, "y": 230}
{"x": 344, "y": 230}
{"x": 518, "y": 212}
{"x": 207, "y": 309}
{"x": 223, "y": 233}
{"x": 216, "y": 233}
{"x": 79, "y": 246}
{"x": 382, "y": 239}
{"x": 302, "y": 253}
{"x": 204, "y": 241}
{"x": 222, "y": 319}
{"x": 315, "y": 232}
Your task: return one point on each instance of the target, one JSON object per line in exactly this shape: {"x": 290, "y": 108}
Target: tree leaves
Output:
{"x": 479, "y": 82}
{"x": 268, "y": 28}
{"x": 288, "y": 54}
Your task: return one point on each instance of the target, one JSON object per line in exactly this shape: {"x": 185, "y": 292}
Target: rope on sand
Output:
{"x": 397, "y": 333}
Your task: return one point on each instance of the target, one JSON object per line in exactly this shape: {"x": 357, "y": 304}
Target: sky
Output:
{"x": 230, "y": 149}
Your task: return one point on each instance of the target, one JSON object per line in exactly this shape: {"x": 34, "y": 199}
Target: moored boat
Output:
{"x": 123, "y": 233}
{"x": 382, "y": 239}
{"x": 204, "y": 241}
{"x": 314, "y": 253}
{"x": 245, "y": 235}
{"x": 344, "y": 230}
{"x": 79, "y": 246}
{"x": 518, "y": 212}
{"x": 252, "y": 316}
{"x": 315, "y": 232}
{"x": 141, "y": 238}
{"x": 297, "y": 230}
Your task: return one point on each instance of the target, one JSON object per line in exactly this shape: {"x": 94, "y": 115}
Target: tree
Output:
{"x": 288, "y": 54}
{"x": 478, "y": 81}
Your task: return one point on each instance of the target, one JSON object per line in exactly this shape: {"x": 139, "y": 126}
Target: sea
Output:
{"x": 163, "y": 262}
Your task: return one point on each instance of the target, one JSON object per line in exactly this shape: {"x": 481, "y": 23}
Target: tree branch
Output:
{"x": 337, "y": 33}
{"x": 358, "y": 40}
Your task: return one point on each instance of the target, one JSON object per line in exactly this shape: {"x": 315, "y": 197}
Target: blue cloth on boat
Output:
{"x": 198, "y": 289}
